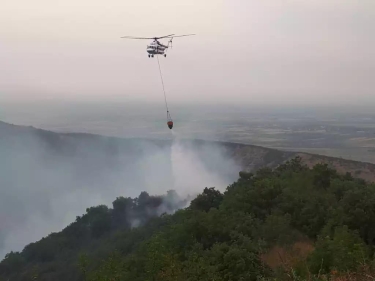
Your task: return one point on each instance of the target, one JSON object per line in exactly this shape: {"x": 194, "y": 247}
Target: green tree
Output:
{"x": 122, "y": 211}
{"x": 12, "y": 262}
{"x": 99, "y": 220}
{"x": 210, "y": 198}
{"x": 322, "y": 176}
{"x": 342, "y": 251}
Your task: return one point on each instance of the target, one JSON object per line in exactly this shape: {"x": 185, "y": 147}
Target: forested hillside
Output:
{"x": 289, "y": 223}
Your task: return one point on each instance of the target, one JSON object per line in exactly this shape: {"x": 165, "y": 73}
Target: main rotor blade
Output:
{"x": 149, "y": 38}
{"x": 163, "y": 36}
{"x": 183, "y": 35}
{"x": 131, "y": 37}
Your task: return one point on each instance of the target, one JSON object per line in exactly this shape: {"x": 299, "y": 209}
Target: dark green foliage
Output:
{"x": 99, "y": 220}
{"x": 342, "y": 250}
{"x": 99, "y": 231}
{"x": 245, "y": 176}
{"x": 291, "y": 166}
{"x": 12, "y": 263}
{"x": 210, "y": 198}
{"x": 323, "y": 175}
{"x": 122, "y": 209}
{"x": 220, "y": 236}
{"x": 277, "y": 230}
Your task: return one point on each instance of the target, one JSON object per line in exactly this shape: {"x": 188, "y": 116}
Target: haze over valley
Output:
{"x": 337, "y": 131}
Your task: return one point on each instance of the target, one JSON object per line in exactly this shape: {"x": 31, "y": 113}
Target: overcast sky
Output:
{"x": 271, "y": 51}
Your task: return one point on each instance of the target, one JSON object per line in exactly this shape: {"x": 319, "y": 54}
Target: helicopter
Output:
{"x": 155, "y": 47}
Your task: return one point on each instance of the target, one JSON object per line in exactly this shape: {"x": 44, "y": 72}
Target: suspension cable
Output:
{"x": 162, "y": 82}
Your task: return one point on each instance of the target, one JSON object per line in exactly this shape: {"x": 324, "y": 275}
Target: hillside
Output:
{"x": 289, "y": 223}
{"x": 48, "y": 178}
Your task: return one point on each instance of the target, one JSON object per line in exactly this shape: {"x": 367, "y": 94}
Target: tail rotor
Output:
{"x": 170, "y": 42}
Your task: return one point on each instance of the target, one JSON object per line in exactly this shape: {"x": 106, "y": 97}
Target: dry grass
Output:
{"x": 365, "y": 274}
{"x": 288, "y": 258}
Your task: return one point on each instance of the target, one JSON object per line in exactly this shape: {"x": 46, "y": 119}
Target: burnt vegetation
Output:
{"x": 287, "y": 223}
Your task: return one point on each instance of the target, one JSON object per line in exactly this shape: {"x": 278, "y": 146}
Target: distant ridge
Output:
{"x": 249, "y": 157}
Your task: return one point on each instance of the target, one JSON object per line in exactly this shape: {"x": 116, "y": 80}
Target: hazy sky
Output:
{"x": 271, "y": 51}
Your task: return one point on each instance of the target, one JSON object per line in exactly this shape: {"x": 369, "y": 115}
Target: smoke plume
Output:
{"x": 47, "y": 179}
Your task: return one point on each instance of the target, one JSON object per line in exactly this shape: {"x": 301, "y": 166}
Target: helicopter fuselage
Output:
{"x": 156, "y": 48}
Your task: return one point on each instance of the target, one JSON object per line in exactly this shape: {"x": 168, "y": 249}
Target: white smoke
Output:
{"x": 191, "y": 175}
{"x": 44, "y": 185}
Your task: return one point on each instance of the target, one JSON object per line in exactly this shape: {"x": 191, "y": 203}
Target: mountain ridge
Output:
{"x": 249, "y": 157}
